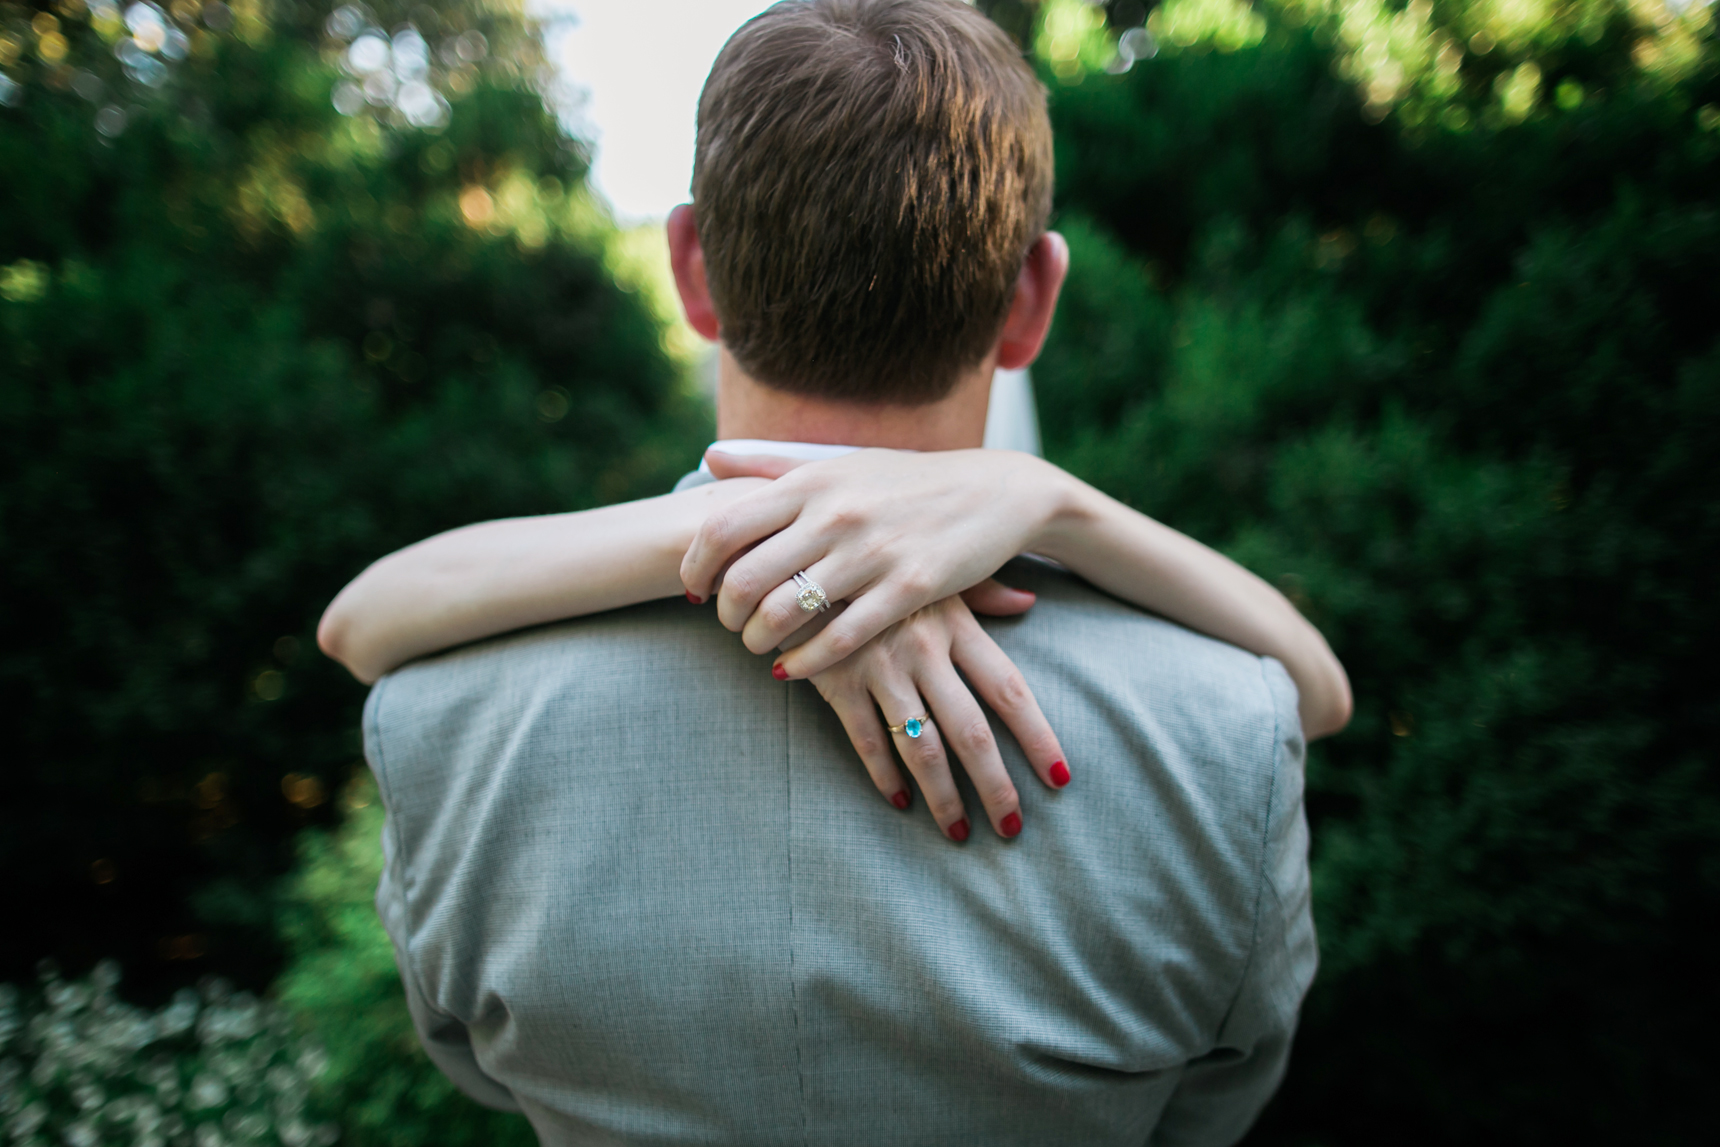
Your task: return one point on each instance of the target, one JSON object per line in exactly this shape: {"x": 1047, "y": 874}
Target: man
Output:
{"x": 642, "y": 892}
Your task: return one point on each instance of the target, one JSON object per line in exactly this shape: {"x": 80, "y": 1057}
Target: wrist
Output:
{"x": 1068, "y": 511}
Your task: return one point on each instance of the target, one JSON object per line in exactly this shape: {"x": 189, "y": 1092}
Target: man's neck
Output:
{"x": 749, "y": 409}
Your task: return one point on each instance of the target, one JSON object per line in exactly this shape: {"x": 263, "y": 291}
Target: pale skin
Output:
{"x": 908, "y": 581}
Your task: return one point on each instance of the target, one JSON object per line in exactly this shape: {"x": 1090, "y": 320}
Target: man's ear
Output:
{"x": 687, "y": 260}
{"x": 1036, "y": 288}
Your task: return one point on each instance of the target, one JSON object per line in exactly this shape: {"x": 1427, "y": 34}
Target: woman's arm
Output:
{"x": 493, "y": 577}
{"x": 898, "y": 535}
{"x": 1126, "y": 553}
{"x": 489, "y": 578}
{"x": 891, "y": 532}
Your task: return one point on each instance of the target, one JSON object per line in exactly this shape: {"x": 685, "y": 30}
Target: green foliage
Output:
{"x": 1456, "y": 389}
{"x": 247, "y": 345}
{"x": 342, "y": 982}
{"x": 214, "y": 1067}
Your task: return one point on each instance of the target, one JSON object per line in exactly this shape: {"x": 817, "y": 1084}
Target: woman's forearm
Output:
{"x": 489, "y": 578}
{"x": 1146, "y": 562}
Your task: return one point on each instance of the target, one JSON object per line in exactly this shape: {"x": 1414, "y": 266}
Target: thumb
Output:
{"x": 994, "y": 599}
{"x": 749, "y": 465}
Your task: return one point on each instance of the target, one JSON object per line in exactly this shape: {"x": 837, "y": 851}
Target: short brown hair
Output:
{"x": 868, "y": 178}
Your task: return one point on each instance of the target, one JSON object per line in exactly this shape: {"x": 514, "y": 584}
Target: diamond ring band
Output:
{"x": 811, "y": 596}
{"x": 913, "y": 726}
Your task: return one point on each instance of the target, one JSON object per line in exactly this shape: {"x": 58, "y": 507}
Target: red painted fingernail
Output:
{"x": 1011, "y": 825}
{"x": 1059, "y": 773}
{"x": 779, "y": 672}
{"x": 900, "y": 800}
{"x": 694, "y": 598}
{"x": 959, "y": 830}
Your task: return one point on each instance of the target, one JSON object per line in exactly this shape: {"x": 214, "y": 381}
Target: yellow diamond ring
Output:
{"x": 811, "y": 595}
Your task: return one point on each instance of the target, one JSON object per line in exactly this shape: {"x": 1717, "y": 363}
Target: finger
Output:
{"x": 766, "y": 575}
{"x": 859, "y": 717}
{"x": 996, "y": 679}
{"x": 868, "y": 614}
{"x": 728, "y": 531}
{"x": 778, "y": 613}
{"x": 924, "y": 755}
{"x": 965, "y": 729}
{"x": 994, "y": 599}
{"x": 750, "y": 465}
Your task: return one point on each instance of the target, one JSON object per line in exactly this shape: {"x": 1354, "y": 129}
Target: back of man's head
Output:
{"x": 869, "y": 176}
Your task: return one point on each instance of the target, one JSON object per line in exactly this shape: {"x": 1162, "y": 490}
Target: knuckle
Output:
{"x": 873, "y": 554}
{"x": 1043, "y": 747}
{"x": 740, "y": 583}
{"x": 844, "y": 519}
{"x": 868, "y": 744}
{"x": 840, "y": 642}
{"x": 1012, "y": 691}
{"x": 996, "y": 792}
{"x": 947, "y": 809}
{"x": 974, "y": 732}
{"x": 922, "y": 639}
{"x": 717, "y": 531}
{"x": 915, "y": 583}
{"x": 927, "y": 756}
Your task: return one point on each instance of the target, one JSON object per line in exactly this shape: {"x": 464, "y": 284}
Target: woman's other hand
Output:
{"x": 887, "y": 531}
{"x": 909, "y": 671}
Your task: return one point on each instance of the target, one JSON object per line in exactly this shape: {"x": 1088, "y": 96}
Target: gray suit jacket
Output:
{"x": 646, "y": 894}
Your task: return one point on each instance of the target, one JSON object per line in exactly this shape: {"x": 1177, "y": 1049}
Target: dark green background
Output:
{"x": 1452, "y": 383}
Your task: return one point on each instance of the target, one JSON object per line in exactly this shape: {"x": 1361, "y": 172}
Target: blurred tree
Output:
{"x": 1435, "y": 351}
{"x": 281, "y": 288}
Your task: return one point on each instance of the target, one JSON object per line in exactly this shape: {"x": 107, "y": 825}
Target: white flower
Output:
{"x": 207, "y": 1090}
{"x": 411, "y": 54}
{"x": 29, "y": 1119}
{"x": 369, "y": 53}
{"x": 180, "y": 1015}
{"x": 83, "y": 1067}
{"x": 345, "y": 23}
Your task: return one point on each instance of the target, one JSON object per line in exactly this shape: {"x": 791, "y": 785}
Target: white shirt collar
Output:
{"x": 809, "y": 451}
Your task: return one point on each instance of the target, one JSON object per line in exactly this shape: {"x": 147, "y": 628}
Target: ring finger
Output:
{"x": 924, "y": 756}
{"x": 780, "y": 612}
{"x": 760, "y": 570}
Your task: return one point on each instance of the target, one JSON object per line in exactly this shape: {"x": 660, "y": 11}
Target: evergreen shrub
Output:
{"x": 1452, "y": 381}
{"x": 249, "y": 343}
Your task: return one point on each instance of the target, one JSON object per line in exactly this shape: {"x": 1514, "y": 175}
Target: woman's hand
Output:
{"x": 889, "y": 532}
{"x": 909, "y": 671}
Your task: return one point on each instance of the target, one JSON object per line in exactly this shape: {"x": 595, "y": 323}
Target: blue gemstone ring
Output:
{"x": 913, "y": 726}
